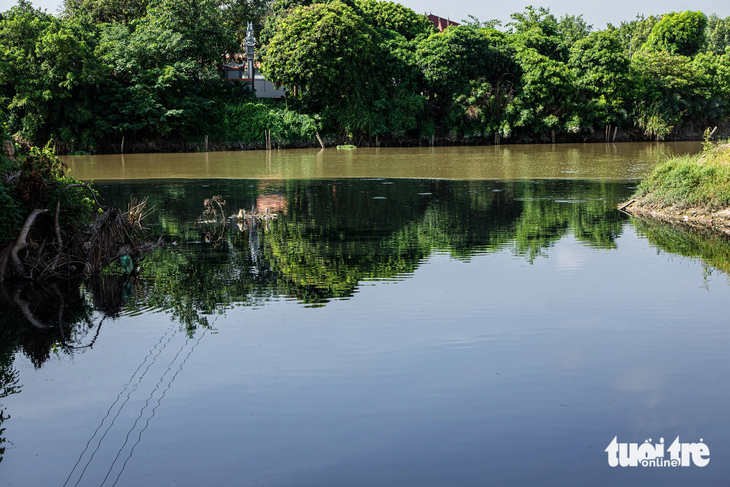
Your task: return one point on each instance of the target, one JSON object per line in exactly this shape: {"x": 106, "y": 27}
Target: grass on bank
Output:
{"x": 700, "y": 181}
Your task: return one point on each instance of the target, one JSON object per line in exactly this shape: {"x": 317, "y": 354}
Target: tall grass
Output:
{"x": 701, "y": 181}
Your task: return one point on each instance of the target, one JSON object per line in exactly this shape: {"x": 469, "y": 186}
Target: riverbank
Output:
{"x": 691, "y": 190}
{"x": 52, "y": 226}
{"x": 692, "y": 132}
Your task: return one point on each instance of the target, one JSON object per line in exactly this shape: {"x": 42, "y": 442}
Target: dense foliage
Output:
{"x": 679, "y": 33}
{"x": 30, "y": 178}
{"x": 148, "y": 70}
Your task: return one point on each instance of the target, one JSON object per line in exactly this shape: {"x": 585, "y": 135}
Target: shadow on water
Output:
{"x": 9, "y": 384}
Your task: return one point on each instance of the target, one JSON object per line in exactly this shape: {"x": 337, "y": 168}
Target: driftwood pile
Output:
{"x": 251, "y": 220}
{"x": 40, "y": 254}
{"x": 213, "y": 219}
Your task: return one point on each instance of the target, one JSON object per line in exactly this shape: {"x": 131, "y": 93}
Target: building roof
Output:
{"x": 440, "y": 23}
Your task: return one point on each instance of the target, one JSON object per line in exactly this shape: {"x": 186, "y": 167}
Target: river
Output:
{"x": 406, "y": 317}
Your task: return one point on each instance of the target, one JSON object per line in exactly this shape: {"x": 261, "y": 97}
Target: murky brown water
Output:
{"x": 617, "y": 162}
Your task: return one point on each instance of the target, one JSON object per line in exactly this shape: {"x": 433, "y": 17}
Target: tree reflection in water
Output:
{"x": 328, "y": 238}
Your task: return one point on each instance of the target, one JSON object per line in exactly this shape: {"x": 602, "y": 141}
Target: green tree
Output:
{"x": 354, "y": 65}
{"x": 634, "y": 33}
{"x": 451, "y": 60}
{"x": 395, "y": 17}
{"x": 393, "y": 104}
{"x": 718, "y": 34}
{"x": 665, "y": 74}
{"x": 164, "y": 69}
{"x": 716, "y": 70}
{"x": 679, "y": 33}
{"x": 546, "y": 95}
{"x": 280, "y": 7}
{"x": 601, "y": 72}
{"x": 104, "y": 11}
{"x": 237, "y": 13}
{"x": 325, "y": 50}
{"x": 539, "y": 30}
{"x": 48, "y": 74}
{"x": 470, "y": 75}
{"x": 573, "y": 28}
{"x": 671, "y": 89}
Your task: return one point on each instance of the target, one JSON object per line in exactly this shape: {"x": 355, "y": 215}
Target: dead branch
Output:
{"x": 23, "y": 306}
{"x": 113, "y": 233}
{"x": 93, "y": 195}
{"x": 59, "y": 240}
{"x": 626, "y": 205}
{"x": 22, "y": 242}
{"x": 137, "y": 212}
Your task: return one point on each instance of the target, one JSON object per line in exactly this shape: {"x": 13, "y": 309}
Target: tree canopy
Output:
{"x": 679, "y": 33}
{"x": 152, "y": 70}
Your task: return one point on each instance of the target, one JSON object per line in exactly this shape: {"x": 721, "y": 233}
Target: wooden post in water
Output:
{"x": 553, "y": 135}
{"x": 615, "y": 131}
{"x": 206, "y": 143}
{"x": 121, "y": 151}
{"x": 322, "y": 143}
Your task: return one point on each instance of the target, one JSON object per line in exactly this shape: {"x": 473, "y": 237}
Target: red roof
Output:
{"x": 440, "y": 23}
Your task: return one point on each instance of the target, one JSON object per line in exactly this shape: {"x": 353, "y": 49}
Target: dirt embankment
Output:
{"x": 718, "y": 220}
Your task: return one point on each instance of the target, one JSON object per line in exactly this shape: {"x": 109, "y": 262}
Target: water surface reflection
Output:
{"x": 332, "y": 235}
{"x": 378, "y": 331}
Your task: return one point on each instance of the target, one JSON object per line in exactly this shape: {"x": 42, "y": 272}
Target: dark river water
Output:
{"x": 494, "y": 322}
